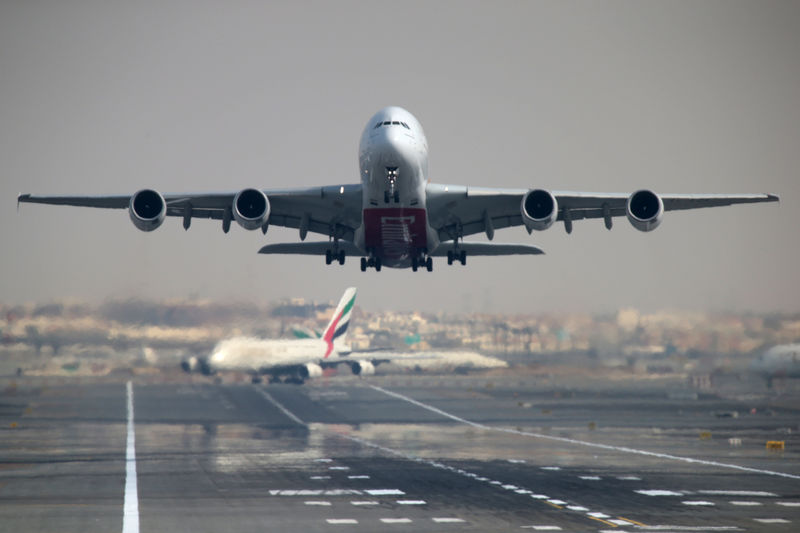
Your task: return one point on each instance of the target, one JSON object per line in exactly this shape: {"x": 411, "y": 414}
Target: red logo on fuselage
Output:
{"x": 395, "y": 232}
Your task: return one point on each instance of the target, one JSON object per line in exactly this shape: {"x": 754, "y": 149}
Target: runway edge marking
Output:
{"x": 130, "y": 516}
{"x": 623, "y": 449}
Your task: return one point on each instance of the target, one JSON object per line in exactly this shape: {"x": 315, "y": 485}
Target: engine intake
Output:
{"x": 147, "y": 209}
{"x": 310, "y": 370}
{"x": 363, "y": 368}
{"x": 539, "y": 209}
{"x": 251, "y": 209}
{"x": 645, "y": 210}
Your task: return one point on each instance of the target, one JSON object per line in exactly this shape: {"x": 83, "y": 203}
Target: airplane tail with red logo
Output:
{"x": 336, "y": 330}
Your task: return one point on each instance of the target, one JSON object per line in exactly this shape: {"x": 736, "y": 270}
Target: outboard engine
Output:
{"x": 363, "y": 368}
{"x": 645, "y": 210}
{"x": 539, "y": 209}
{"x": 147, "y": 209}
{"x": 251, "y": 209}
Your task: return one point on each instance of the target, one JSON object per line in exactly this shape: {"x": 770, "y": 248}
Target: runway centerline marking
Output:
{"x": 130, "y": 516}
{"x": 623, "y": 449}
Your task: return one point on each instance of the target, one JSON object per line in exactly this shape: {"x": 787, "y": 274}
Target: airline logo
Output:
{"x": 341, "y": 319}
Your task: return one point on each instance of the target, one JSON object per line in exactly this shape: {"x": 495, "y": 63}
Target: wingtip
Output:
{"x": 773, "y": 197}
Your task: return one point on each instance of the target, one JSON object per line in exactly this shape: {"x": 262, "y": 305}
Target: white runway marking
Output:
{"x": 738, "y": 493}
{"x": 447, "y": 520}
{"x": 385, "y": 492}
{"x": 557, "y": 502}
{"x": 772, "y": 520}
{"x": 550, "y": 467}
{"x": 629, "y": 478}
{"x": 590, "y": 478}
{"x": 789, "y": 504}
{"x": 130, "y": 517}
{"x": 598, "y": 515}
{"x": 542, "y": 528}
{"x": 698, "y": 502}
{"x": 412, "y": 502}
{"x": 338, "y": 468}
{"x": 746, "y": 504}
{"x": 363, "y": 503}
{"x": 342, "y": 521}
{"x": 282, "y": 409}
{"x": 320, "y": 477}
{"x": 657, "y": 492}
{"x": 357, "y": 477}
{"x": 540, "y": 497}
{"x": 578, "y": 508}
{"x": 396, "y": 520}
{"x": 622, "y": 449}
{"x": 323, "y": 503}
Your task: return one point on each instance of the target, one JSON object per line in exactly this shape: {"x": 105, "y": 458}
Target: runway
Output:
{"x": 391, "y": 454}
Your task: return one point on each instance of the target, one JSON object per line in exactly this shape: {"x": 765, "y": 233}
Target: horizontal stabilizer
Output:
{"x": 310, "y": 248}
{"x": 489, "y": 248}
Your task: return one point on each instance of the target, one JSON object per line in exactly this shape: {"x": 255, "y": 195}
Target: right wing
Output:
{"x": 328, "y": 210}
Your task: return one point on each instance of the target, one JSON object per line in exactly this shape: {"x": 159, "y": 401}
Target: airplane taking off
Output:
{"x": 395, "y": 217}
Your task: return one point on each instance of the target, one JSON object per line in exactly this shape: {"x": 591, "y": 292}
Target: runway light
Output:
{"x": 705, "y": 435}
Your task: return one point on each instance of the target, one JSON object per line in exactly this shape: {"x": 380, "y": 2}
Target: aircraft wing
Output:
{"x": 309, "y": 248}
{"x": 323, "y": 208}
{"x": 457, "y": 210}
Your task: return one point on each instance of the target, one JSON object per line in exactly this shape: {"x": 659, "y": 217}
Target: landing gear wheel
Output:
{"x": 341, "y": 257}
{"x": 377, "y": 264}
{"x": 414, "y": 264}
{"x": 429, "y": 264}
{"x": 386, "y": 197}
{"x": 463, "y": 257}
{"x": 397, "y": 197}
{"x": 328, "y": 257}
{"x": 449, "y": 258}
{"x": 363, "y": 264}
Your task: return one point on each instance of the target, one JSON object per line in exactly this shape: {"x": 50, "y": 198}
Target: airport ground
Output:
{"x": 509, "y": 450}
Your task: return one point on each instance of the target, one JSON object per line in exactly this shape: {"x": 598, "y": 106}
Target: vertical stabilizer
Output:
{"x": 337, "y": 328}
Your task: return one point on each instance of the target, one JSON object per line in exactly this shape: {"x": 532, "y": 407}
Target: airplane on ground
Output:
{"x": 782, "y": 361}
{"x": 395, "y": 217}
{"x": 293, "y": 360}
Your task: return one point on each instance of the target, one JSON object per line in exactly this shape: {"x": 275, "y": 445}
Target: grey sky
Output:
{"x": 109, "y": 97}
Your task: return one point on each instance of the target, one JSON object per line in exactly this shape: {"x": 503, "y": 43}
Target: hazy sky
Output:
{"x": 110, "y": 97}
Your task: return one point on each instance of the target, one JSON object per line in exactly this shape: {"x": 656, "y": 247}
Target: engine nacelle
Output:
{"x": 147, "y": 209}
{"x": 190, "y": 365}
{"x": 251, "y": 208}
{"x": 645, "y": 210}
{"x": 539, "y": 209}
{"x": 310, "y": 370}
{"x": 363, "y": 368}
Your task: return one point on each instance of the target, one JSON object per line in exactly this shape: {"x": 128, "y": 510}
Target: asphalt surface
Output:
{"x": 391, "y": 454}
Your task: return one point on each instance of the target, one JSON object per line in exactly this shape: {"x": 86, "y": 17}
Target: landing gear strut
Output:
{"x": 333, "y": 255}
{"x": 372, "y": 261}
{"x": 422, "y": 260}
{"x": 455, "y": 255}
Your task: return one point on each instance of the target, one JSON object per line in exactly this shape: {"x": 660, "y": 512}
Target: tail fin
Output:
{"x": 337, "y": 327}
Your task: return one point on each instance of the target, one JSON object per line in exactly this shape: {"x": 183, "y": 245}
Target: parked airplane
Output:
{"x": 782, "y": 361}
{"x": 395, "y": 217}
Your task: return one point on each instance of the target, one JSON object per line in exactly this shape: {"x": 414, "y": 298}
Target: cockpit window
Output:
{"x": 391, "y": 123}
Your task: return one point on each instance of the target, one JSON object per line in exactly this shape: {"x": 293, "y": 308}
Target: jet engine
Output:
{"x": 310, "y": 370}
{"x": 190, "y": 365}
{"x": 251, "y": 208}
{"x": 539, "y": 209}
{"x": 645, "y": 210}
{"x": 147, "y": 209}
{"x": 363, "y": 368}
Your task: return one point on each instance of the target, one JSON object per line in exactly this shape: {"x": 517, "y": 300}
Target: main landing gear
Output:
{"x": 455, "y": 255}
{"x": 332, "y": 255}
{"x": 422, "y": 260}
{"x": 372, "y": 261}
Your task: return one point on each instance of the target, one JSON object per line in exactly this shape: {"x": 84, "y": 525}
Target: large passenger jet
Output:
{"x": 395, "y": 217}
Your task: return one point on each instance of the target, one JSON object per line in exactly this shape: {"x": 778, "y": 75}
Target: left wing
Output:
{"x": 331, "y": 210}
{"x": 456, "y": 210}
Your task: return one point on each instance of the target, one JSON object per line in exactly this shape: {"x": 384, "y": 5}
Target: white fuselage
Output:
{"x": 248, "y": 354}
{"x": 393, "y": 161}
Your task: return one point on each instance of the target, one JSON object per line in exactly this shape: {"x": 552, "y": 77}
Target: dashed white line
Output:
{"x": 130, "y": 516}
{"x": 338, "y": 468}
{"x": 342, "y": 521}
{"x": 411, "y": 502}
{"x": 578, "y": 508}
{"x": 364, "y": 502}
{"x": 396, "y": 520}
{"x": 322, "y": 503}
{"x": 277, "y": 404}
{"x": 772, "y": 520}
{"x": 543, "y": 528}
{"x": 550, "y": 467}
{"x": 557, "y": 502}
{"x": 746, "y": 504}
{"x": 448, "y": 520}
{"x": 320, "y": 477}
{"x": 622, "y": 449}
{"x": 738, "y": 493}
{"x": 357, "y": 477}
{"x": 789, "y": 504}
{"x": 698, "y": 503}
{"x": 384, "y": 492}
{"x": 658, "y": 492}
{"x": 590, "y": 478}
{"x": 598, "y": 515}
{"x": 629, "y": 478}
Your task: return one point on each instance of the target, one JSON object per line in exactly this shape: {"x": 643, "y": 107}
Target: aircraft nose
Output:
{"x": 395, "y": 144}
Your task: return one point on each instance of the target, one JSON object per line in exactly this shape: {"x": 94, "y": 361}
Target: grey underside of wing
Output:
{"x": 489, "y": 248}
{"x": 458, "y": 211}
{"x": 331, "y": 210}
{"x": 309, "y": 248}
